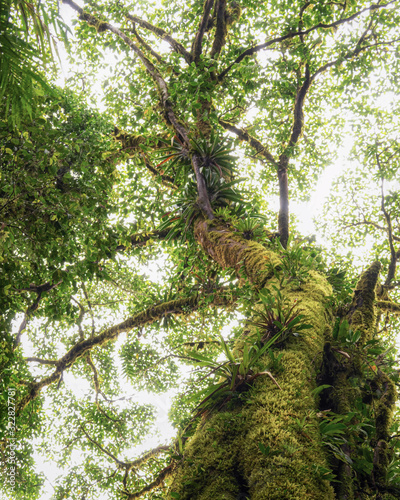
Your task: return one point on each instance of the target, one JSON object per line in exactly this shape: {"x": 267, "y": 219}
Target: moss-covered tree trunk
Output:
{"x": 267, "y": 445}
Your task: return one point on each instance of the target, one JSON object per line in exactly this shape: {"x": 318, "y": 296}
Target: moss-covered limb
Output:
{"x": 388, "y": 306}
{"x": 229, "y": 249}
{"x": 148, "y": 316}
{"x": 362, "y": 313}
{"x": 384, "y": 409}
{"x": 223, "y": 459}
{"x": 176, "y": 46}
{"x": 244, "y": 136}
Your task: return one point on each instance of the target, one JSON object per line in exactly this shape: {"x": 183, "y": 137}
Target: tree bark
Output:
{"x": 265, "y": 443}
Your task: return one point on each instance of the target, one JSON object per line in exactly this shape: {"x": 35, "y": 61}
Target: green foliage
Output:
{"x": 277, "y": 317}
{"x": 26, "y": 44}
{"x": 147, "y": 369}
{"x": 234, "y": 374}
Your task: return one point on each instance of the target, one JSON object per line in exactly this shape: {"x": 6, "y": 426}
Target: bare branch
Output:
{"x": 243, "y": 135}
{"x": 257, "y": 48}
{"x": 176, "y": 46}
{"x": 198, "y": 41}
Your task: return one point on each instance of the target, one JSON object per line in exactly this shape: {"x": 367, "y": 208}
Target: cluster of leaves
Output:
{"x": 26, "y": 45}
{"x": 146, "y": 368}
{"x": 218, "y": 172}
{"x": 275, "y": 317}
{"x": 57, "y": 178}
{"x": 234, "y": 374}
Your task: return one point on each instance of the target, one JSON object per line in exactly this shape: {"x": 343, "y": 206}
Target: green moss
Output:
{"x": 362, "y": 315}
{"x": 224, "y": 459}
{"x": 229, "y": 249}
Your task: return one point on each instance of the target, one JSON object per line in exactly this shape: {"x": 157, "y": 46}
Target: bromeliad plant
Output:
{"x": 234, "y": 374}
{"x": 276, "y": 318}
{"x": 220, "y": 194}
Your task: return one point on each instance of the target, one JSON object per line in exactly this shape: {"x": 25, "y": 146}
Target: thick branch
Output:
{"x": 362, "y": 315}
{"x": 221, "y": 30}
{"x": 283, "y": 218}
{"x": 298, "y": 115}
{"x": 150, "y": 315}
{"x": 198, "y": 41}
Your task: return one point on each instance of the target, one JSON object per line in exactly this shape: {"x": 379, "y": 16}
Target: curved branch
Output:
{"x": 198, "y": 41}
{"x": 153, "y": 485}
{"x": 146, "y": 317}
{"x": 176, "y": 46}
{"x": 257, "y": 48}
{"x": 244, "y": 136}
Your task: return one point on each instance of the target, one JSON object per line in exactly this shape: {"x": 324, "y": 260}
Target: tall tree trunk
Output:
{"x": 266, "y": 444}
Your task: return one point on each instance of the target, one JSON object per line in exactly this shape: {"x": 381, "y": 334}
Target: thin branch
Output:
{"x": 393, "y": 254}
{"x": 244, "y": 136}
{"x": 257, "y": 48}
{"x": 370, "y": 223}
{"x": 153, "y": 485}
{"x": 146, "y": 46}
{"x": 51, "y": 362}
{"x": 101, "y": 26}
{"x": 121, "y": 464}
{"x": 350, "y": 55}
{"x": 176, "y": 46}
{"x": 39, "y": 290}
